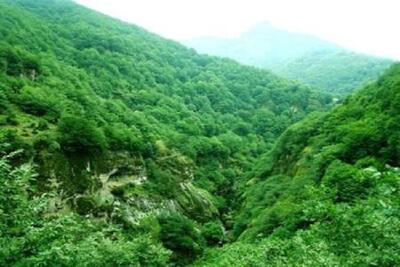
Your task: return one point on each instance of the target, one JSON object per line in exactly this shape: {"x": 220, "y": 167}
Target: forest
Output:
{"x": 316, "y": 62}
{"x": 121, "y": 148}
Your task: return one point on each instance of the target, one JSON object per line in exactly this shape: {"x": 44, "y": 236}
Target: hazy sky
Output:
{"x": 370, "y": 26}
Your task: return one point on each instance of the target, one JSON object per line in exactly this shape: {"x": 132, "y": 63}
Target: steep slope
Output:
{"x": 328, "y": 193}
{"x": 305, "y": 58}
{"x": 338, "y": 72}
{"x": 144, "y": 139}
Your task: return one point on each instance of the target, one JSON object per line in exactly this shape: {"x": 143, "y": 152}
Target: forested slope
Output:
{"x": 134, "y": 146}
{"x": 337, "y": 72}
{"x": 318, "y": 63}
{"x": 328, "y": 193}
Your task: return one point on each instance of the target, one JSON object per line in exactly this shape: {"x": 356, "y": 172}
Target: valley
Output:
{"x": 122, "y": 148}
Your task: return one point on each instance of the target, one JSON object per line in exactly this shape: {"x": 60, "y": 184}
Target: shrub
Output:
{"x": 213, "y": 232}
{"x": 180, "y": 235}
{"x": 347, "y": 180}
{"x": 80, "y": 135}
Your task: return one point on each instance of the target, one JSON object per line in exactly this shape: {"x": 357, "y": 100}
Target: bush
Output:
{"x": 180, "y": 235}
{"x": 14, "y": 141}
{"x": 120, "y": 137}
{"x": 36, "y": 101}
{"x": 80, "y": 135}
{"x": 347, "y": 180}
{"x": 17, "y": 62}
{"x": 213, "y": 232}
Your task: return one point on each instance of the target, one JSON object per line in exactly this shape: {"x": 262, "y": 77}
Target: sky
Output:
{"x": 368, "y": 26}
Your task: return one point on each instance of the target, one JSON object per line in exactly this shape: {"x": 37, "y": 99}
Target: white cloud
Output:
{"x": 370, "y": 26}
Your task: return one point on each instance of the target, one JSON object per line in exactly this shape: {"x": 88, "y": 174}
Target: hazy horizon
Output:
{"x": 363, "y": 26}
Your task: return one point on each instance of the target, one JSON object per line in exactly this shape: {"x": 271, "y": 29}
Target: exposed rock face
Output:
{"x": 113, "y": 187}
{"x": 196, "y": 202}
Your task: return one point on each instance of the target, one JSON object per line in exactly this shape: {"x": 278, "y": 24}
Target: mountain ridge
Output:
{"x": 298, "y": 56}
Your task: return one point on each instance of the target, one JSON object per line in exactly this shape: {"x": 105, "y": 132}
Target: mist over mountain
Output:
{"x": 264, "y": 45}
{"x": 308, "y": 59}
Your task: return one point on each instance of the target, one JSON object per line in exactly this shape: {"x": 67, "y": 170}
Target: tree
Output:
{"x": 180, "y": 235}
{"x": 80, "y": 135}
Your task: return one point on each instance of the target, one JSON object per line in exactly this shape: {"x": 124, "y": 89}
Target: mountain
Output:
{"x": 327, "y": 193}
{"x": 308, "y": 59}
{"x": 121, "y": 148}
{"x": 263, "y": 46}
{"x": 338, "y": 72}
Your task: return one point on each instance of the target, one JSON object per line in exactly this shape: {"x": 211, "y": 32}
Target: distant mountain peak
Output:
{"x": 296, "y": 55}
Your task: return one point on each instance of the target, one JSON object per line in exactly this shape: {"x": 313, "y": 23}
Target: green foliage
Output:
{"x": 12, "y": 141}
{"x": 104, "y": 86}
{"x": 347, "y": 180}
{"x": 213, "y": 233}
{"x": 143, "y": 149}
{"x": 180, "y": 235}
{"x": 323, "y": 191}
{"x": 60, "y": 243}
{"x": 365, "y": 233}
{"x": 120, "y": 137}
{"x": 16, "y": 62}
{"x": 80, "y": 135}
{"x": 317, "y": 63}
{"x": 34, "y": 232}
{"x": 35, "y": 101}
{"x": 338, "y": 72}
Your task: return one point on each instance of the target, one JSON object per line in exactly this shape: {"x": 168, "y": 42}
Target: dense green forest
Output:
{"x": 310, "y": 60}
{"x": 139, "y": 133}
{"x": 328, "y": 193}
{"x": 338, "y": 72}
{"x": 121, "y": 148}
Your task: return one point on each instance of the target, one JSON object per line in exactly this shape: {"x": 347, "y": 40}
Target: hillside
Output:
{"x": 120, "y": 148}
{"x": 338, "y": 72}
{"x": 315, "y": 62}
{"x": 327, "y": 193}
